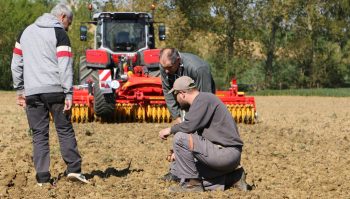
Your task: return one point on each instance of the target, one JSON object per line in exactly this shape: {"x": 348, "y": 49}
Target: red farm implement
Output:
{"x": 119, "y": 78}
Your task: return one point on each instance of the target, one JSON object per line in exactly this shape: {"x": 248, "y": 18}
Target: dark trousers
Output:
{"x": 38, "y": 108}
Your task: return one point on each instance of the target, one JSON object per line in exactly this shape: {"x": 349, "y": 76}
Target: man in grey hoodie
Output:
{"x": 42, "y": 72}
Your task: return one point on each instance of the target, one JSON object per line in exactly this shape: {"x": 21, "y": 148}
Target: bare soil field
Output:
{"x": 299, "y": 149}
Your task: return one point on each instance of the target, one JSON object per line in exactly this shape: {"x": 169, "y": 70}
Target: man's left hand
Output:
{"x": 164, "y": 133}
{"x": 171, "y": 156}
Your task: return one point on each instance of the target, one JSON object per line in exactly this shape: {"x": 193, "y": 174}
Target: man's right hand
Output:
{"x": 67, "y": 105}
{"x": 164, "y": 133}
{"x": 21, "y": 100}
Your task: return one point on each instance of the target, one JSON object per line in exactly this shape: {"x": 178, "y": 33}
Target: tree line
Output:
{"x": 263, "y": 43}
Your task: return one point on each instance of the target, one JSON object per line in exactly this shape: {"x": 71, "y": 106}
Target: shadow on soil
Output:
{"x": 111, "y": 171}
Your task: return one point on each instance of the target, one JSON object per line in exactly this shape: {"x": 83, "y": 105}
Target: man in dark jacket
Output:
{"x": 42, "y": 71}
{"x": 174, "y": 65}
{"x": 207, "y": 145}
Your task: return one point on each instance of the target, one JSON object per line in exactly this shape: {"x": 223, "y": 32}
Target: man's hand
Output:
{"x": 171, "y": 156}
{"x": 21, "y": 100}
{"x": 164, "y": 133}
{"x": 176, "y": 121}
{"x": 67, "y": 105}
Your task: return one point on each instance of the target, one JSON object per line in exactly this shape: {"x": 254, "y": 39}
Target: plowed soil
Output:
{"x": 299, "y": 149}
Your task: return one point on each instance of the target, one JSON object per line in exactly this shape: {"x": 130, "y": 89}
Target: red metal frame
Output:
{"x": 97, "y": 58}
{"x": 232, "y": 96}
{"x": 151, "y": 56}
{"x": 81, "y": 96}
{"x": 141, "y": 89}
{"x": 148, "y": 90}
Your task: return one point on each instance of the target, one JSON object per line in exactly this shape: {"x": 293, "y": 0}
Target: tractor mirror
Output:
{"x": 161, "y": 32}
{"x": 83, "y": 33}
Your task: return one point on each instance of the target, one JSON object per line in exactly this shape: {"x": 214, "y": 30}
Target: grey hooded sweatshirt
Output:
{"x": 42, "y": 59}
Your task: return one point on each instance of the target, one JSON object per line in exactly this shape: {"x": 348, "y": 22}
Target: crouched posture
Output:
{"x": 207, "y": 145}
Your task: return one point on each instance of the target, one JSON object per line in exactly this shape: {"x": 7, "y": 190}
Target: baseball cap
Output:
{"x": 183, "y": 83}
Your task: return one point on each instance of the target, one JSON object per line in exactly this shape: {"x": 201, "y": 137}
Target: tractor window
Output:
{"x": 124, "y": 35}
{"x": 98, "y": 36}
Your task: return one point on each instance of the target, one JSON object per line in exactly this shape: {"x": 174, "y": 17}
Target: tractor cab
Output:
{"x": 124, "y": 32}
{"x": 120, "y": 39}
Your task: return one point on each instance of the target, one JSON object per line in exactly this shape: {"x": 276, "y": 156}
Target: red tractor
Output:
{"x": 119, "y": 78}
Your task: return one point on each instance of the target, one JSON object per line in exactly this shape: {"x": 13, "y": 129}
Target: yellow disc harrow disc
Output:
{"x": 242, "y": 113}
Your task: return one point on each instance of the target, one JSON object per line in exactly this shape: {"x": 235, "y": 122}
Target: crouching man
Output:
{"x": 206, "y": 145}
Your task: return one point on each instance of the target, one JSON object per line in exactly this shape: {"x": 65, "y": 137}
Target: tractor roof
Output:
{"x": 121, "y": 15}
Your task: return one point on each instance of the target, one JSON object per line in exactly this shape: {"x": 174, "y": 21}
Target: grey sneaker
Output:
{"x": 169, "y": 177}
{"x": 188, "y": 186}
{"x": 77, "y": 177}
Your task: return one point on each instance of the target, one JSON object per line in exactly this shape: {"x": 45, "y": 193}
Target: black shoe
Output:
{"x": 237, "y": 179}
{"x": 191, "y": 185}
{"x": 50, "y": 184}
{"x": 169, "y": 177}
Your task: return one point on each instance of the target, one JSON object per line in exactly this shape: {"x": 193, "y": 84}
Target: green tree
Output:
{"x": 18, "y": 15}
{"x": 319, "y": 45}
{"x": 273, "y": 44}
{"x": 232, "y": 21}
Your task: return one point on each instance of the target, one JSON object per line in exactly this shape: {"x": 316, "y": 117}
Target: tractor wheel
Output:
{"x": 86, "y": 74}
{"x": 103, "y": 103}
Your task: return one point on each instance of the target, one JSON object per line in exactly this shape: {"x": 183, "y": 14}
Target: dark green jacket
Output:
{"x": 194, "y": 67}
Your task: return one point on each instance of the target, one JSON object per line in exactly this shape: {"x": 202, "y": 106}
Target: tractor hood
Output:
{"x": 48, "y": 21}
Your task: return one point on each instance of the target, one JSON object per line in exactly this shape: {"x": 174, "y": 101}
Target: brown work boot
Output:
{"x": 237, "y": 179}
{"x": 190, "y": 185}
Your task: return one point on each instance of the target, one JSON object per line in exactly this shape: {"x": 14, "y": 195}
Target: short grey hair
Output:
{"x": 60, "y": 9}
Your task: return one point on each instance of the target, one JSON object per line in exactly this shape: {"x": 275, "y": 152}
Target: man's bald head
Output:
{"x": 170, "y": 54}
{"x": 169, "y": 60}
